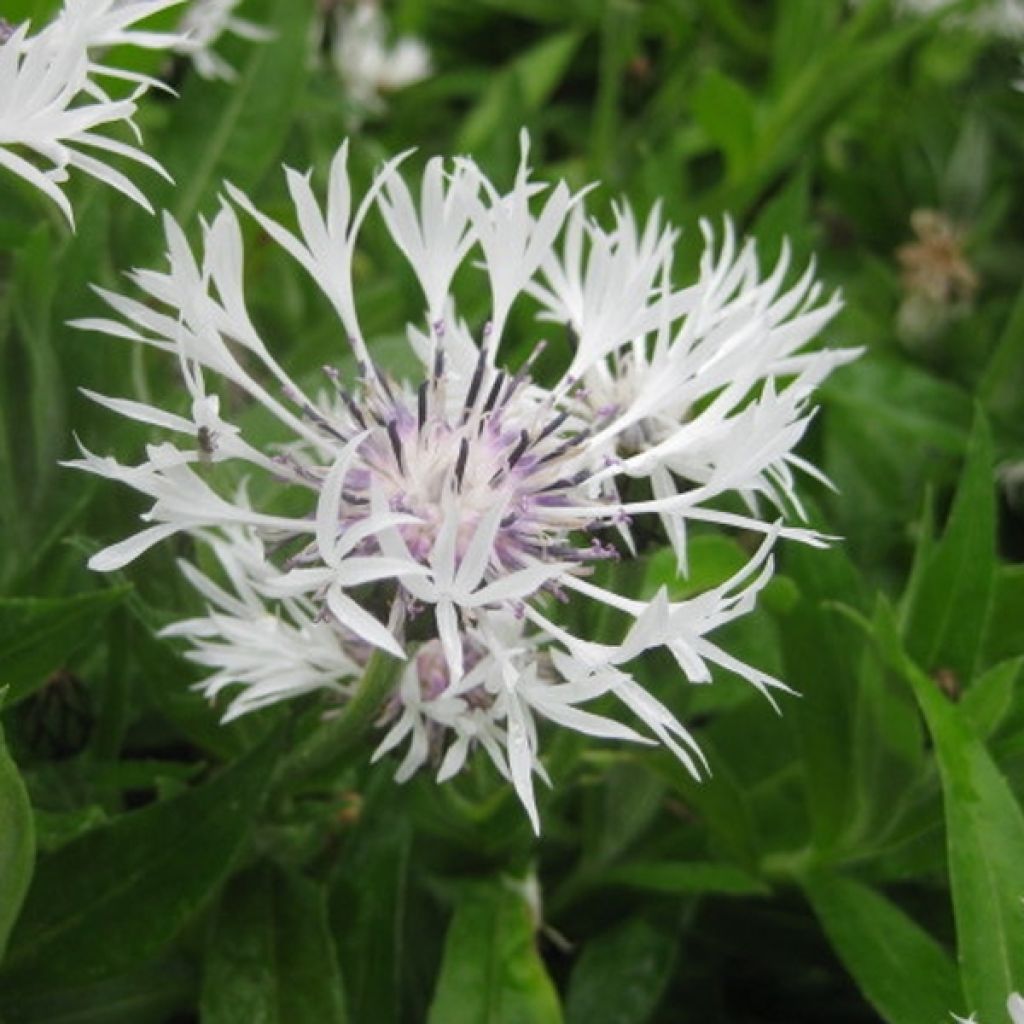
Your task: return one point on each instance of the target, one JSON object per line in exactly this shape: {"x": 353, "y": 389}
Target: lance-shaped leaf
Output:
{"x": 492, "y": 973}
{"x": 902, "y": 971}
{"x": 270, "y": 956}
{"x": 116, "y": 895}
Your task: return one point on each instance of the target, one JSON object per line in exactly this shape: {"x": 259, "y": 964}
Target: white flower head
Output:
{"x": 370, "y": 66}
{"x": 442, "y": 518}
{"x": 203, "y": 24}
{"x": 54, "y": 110}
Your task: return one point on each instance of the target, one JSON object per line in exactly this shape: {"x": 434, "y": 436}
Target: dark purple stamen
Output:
{"x": 421, "y": 405}
{"x": 474, "y": 384}
{"x": 322, "y": 423}
{"x": 350, "y": 404}
{"x": 460, "y": 462}
{"x": 492, "y": 398}
{"x": 552, "y": 426}
{"x": 520, "y": 448}
{"x": 396, "y": 443}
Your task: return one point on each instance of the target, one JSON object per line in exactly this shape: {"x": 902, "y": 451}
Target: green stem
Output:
{"x": 330, "y": 744}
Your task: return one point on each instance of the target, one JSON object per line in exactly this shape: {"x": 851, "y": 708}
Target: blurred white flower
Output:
{"x": 368, "y": 64}
{"x": 440, "y": 518}
{"x": 203, "y": 24}
{"x": 54, "y": 112}
{"x": 1002, "y": 18}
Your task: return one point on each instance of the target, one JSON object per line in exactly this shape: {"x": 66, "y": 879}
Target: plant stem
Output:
{"x": 329, "y": 745}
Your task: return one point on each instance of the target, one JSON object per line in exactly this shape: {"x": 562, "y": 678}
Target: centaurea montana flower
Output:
{"x": 207, "y": 21}
{"x": 441, "y": 518}
{"x": 54, "y": 112}
{"x": 368, "y": 65}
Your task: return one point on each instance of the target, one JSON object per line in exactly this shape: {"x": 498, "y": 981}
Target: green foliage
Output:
{"x": 122, "y": 891}
{"x": 270, "y": 958}
{"x": 621, "y": 975}
{"x": 158, "y": 867}
{"x": 491, "y": 971}
{"x": 985, "y": 838}
{"x": 902, "y": 970}
{"x": 948, "y": 597}
{"x": 39, "y": 635}
{"x": 17, "y": 842}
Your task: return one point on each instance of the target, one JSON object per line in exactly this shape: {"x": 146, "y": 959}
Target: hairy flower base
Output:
{"x": 448, "y": 515}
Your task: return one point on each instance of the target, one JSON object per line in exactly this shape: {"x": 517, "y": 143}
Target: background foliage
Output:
{"x": 859, "y": 858}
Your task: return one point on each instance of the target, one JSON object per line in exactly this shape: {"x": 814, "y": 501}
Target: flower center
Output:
{"x": 446, "y": 449}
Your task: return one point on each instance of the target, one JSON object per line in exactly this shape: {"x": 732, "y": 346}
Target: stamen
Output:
{"x": 474, "y": 384}
{"x": 421, "y": 406}
{"x": 552, "y": 426}
{"x": 495, "y": 388}
{"x": 460, "y": 462}
{"x": 354, "y": 411}
{"x": 517, "y": 452}
{"x": 566, "y": 446}
{"x": 322, "y": 423}
{"x": 396, "y": 443}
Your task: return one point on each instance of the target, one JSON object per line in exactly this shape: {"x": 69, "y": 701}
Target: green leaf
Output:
{"x": 902, "y": 971}
{"x": 683, "y": 878}
{"x": 897, "y": 404}
{"x": 722, "y": 803}
{"x": 235, "y": 130}
{"x": 270, "y": 958}
{"x": 785, "y": 217}
{"x": 17, "y": 842}
{"x": 492, "y": 973}
{"x": 36, "y": 11}
{"x": 621, "y": 810}
{"x": 991, "y": 696}
{"x": 821, "y": 653}
{"x": 1004, "y": 635}
{"x": 107, "y": 900}
{"x": 985, "y": 841}
{"x": 39, "y": 634}
{"x": 621, "y": 975}
{"x": 726, "y": 112}
{"x": 801, "y": 28}
{"x": 712, "y": 558}
{"x": 947, "y": 600}
{"x": 153, "y": 994}
{"x": 532, "y": 77}
{"x": 368, "y": 907}
{"x": 1001, "y": 383}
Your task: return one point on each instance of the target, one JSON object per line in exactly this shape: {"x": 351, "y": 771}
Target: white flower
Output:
{"x": 275, "y": 653}
{"x": 646, "y": 375}
{"x": 204, "y": 23}
{"x": 1014, "y": 1007}
{"x": 440, "y": 518}
{"x": 369, "y": 67}
{"x": 54, "y": 113}
{"x": 1002, "y": 18}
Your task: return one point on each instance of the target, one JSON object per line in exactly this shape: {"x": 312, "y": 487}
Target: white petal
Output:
{"x": 362, "y": 623}
{"x": 119, "y": 555}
